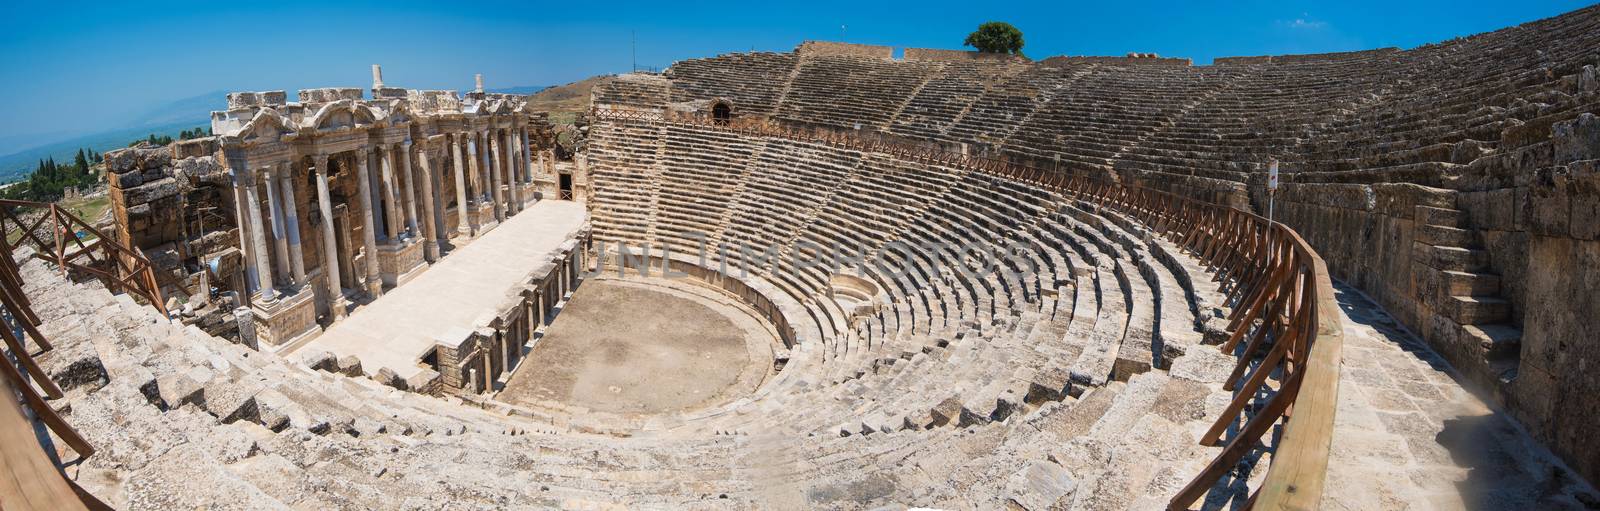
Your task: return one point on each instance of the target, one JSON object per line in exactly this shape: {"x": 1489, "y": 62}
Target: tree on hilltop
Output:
{"x": 996, "y": 37}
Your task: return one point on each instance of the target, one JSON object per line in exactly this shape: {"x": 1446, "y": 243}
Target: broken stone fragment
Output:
{"x": 423, "y": 381}
{"x": 349, "y": 365}
{"x": 176, "y": 390}
{"x": 320, "y": 360}
{"x": 1039, "y": 485}
{"x": 388, "y": 377}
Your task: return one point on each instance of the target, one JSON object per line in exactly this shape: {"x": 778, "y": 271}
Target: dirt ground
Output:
{"x": 644, "y": 347}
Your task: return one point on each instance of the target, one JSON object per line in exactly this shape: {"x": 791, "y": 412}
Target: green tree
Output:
{"x": 82, "y": 161}
{"x": 996, "y": 37}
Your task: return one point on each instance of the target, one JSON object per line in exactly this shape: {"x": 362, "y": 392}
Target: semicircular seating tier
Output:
{"x": 1066, "y": 358}
{"x": 1445, "y": 181}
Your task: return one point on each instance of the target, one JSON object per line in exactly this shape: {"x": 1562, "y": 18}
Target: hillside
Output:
{"x": 563, "y": 101}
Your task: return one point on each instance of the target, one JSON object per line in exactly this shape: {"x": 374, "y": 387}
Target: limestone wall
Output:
{"x": 845, "y": 49}
{"x": 936, "y": 55}
{"x": 1556, "y": 394}
{"x": 1304, "y": 58}
{"x": 1136, "y": 59}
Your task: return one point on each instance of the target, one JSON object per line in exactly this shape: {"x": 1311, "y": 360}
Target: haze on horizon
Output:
{"x": 72, "y": 71}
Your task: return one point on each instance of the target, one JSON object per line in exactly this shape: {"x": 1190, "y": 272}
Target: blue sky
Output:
{"x": 71, "y": 69}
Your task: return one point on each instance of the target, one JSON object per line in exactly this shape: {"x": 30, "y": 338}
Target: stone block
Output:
{"x": 238, "y": 100}
{"x": 349, "y": 365}
{"x": 202, "y": 170}
{"x": 1583, "y": 199}
{"x": 151, "y": 191}
{"x": 1546, "y": 210}
{"x": 320, "y": 360}
{"x": 425, "y": 381}
{"x": 244, "y": 317}
{"x": 1576, "y": 139}
{"x": 176, "y": 390}
{"x": 125, "y": 180}
{"x": 231, "y": 401}
{"x": 946, "y": 412}
{"x": 388, "y": 377}
{"x": 1039, "y": 485}
{"x": 1051, "y": 384}
{"x": 1400, "y": 200}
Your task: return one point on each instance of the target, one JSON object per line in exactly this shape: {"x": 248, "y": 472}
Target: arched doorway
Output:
{"x": 721, "y": 113}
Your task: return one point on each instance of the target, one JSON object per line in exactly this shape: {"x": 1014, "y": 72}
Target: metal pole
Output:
{"x": 1272, "y": 188}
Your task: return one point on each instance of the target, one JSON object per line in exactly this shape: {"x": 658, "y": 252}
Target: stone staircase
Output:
{"x": 1468, "y": 289}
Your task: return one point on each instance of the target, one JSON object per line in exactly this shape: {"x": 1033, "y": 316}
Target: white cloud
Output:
{"x": 1304, "y": 22}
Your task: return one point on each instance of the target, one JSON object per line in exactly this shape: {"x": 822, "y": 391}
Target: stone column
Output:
{"x": 514, "y": 169}
{"x": 280, "y": 241}
{"x": 430, "y": 243}
{"x": 330, "y": 246}
{"x": 391, "y": 210}
{"x": 368, "y": 239}
{"x": 434, "y": 194}
{"x": 410, "y": 188}
{"x": 542, "y": 170}
{"x": 291, "y": 220}
{"x": 473, "y": 165}
{"x": 241, "y": 212}
{"x": 462, "y": 229}
{"x": 258, "y": 237}
{"x": 494, "y": 177}
{"x": 527, "y": 156}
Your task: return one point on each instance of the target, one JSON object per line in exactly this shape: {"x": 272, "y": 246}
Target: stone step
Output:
{"x": 1451, "y": 258}
{"x": 1461, "y": 283}
{"x": 1445, "y": 236}
{"x": 1478, "y": 310}
{"x": 1499, "y": 341}
{"x": 1429, "y": 215}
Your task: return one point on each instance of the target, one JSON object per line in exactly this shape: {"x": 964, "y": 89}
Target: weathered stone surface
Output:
{"x": 142, "y": 157}
{"x": 1577, "y": 139}
{"x": 179, "y": 389}
{"x": 1039, "y": 485}
{"x": 350, "y": 365}
{"x": 151, "y": 191}
{"x": 319, "y": 360}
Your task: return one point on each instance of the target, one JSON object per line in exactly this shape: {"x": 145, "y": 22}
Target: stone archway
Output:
{"x": 721, "y": 113}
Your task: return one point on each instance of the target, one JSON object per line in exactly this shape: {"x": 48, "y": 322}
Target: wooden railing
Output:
{"x": 29, "y": 479}
{"x": 54, "y": 234}
{"x": 1287, "y": 372}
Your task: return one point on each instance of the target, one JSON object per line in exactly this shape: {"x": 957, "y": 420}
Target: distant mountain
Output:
{"x": 13, "y": 143}
{"x": 16, "y": 166}
{"x": 523, "y": 89}
{"x": 167, "y": 118}
{"x": 24, "y": 151}
{"x": 179, "y": 110}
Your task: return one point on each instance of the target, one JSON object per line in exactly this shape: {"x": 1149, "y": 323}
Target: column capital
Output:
{"x": 405, "y": 143}
{"x": 321, "y": 161}
{"x": 363, "y": 151}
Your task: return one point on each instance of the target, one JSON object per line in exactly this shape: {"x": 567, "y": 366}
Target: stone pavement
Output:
{"x": 1410, "y": 435}
{"x": 395, "y": 330}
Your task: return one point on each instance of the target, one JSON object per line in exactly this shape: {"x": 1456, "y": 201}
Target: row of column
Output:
{"x": 392, "y": 195}
{"x": 275, "y": 183}
{"x": 499, "y": 348}
{"x": 498, "y": 166}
